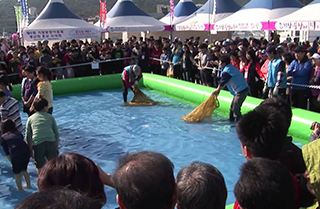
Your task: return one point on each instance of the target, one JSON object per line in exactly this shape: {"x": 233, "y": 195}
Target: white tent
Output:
{"x": 211, "y": 12}
{"x": 57, "y": 22}
{"x": 306, "y": 18}
{"x": 257, "y": 14}
{"x": 181, "y": 11}
{"x": 126, "y": 16}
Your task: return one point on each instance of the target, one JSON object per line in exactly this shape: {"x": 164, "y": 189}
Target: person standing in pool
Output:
{"x": 236, "y": 84}
{"x": 130, "y": 77}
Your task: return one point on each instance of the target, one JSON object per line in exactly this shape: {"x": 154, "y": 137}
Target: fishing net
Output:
{"x": 205, "y": 109}
{"x": 140, "y": 99}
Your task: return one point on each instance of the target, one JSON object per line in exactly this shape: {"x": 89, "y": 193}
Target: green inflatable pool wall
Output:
{"x": 186, "y": 91}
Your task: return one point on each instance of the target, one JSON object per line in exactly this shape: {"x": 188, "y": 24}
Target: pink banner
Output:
{"x": 171, "y": 11}
{"x": 103, "y": 14}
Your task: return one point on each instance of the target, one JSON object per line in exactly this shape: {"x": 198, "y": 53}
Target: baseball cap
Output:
{"x": 316, "y": 56}
{"x": 137, "y": 70}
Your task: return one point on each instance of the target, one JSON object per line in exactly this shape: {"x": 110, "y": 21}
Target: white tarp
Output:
{"x": 306, "y": 18}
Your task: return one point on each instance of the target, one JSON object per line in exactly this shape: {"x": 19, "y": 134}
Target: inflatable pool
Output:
{"x": 189, "y": 92}
{"x": 185, "y": 91}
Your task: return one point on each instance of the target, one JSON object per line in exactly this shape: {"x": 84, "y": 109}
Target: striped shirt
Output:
{"x": 9, "y": 109}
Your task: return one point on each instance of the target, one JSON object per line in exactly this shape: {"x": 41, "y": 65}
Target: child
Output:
{"x": 44, "y": 86}
{"x": 28, "y": 89}
{"x": 17, "y": 152}
{"x": 42, "y": 134}
{"x": 165, "y": 57}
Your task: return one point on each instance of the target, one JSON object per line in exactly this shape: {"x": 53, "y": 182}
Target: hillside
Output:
{"x": 90, "y": 8}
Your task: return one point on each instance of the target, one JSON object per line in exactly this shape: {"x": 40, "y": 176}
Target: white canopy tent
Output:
{"x": 257, "y": 14}
{"x": 125, "y": 16}
{"x": 211, "y": 12}
{"x": 181, "y": 11}
{"x": 306, "y": 18}
{"x": 57, "y": 22}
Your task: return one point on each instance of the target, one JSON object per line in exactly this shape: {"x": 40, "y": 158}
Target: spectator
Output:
{"x": 58, "y": 199}
{"x": 28, "y": 89}
{"x": 75, "y": 172}
{"x": 204, "y": 61}
{"x": 300, "y": 70}
{"x": 277, "y": 76}
{"x": 264, "y": 184}
{"x": 201, "y": 186}
{"x": 145, "y": 180}
{"x": 315, "y": 80}
{"x": 176, "y": 59}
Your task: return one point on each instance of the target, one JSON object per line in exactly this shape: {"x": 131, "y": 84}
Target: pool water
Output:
{"x": 98, "y": 126}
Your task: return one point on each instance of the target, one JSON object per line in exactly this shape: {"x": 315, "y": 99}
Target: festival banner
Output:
{"x": 18, "y": 12}
{"x": 171, "y": 11}
{"x": 239, "y": 26}
{"x": 63, "y": 34}
{"x": 103, "y": 14}
{"x": 24, "y": 9}
{"x": 294, "y": 25}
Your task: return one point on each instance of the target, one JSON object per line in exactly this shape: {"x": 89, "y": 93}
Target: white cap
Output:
{"x": 137, "y": 70}
{"x": 316, "y": 56}
{"x": 206, "y": 40}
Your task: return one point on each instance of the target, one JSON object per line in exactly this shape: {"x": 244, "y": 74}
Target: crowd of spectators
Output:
{"x": 277, "y": 174}
{"x": 261, "y": 62}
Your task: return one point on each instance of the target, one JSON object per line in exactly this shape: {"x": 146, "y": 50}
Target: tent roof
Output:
{"x": 182, "y": 10}
{"x": 223, "y": 9}
{"x": 307, "y": 13}
{"x": 56, "y": 9}
{"x": 258, "y": 11}
{"x": 57, "y": 22}
{"x": 126, "y": 16}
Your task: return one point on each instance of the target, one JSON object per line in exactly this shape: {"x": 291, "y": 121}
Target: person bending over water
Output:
{"x": 130, "y": 78}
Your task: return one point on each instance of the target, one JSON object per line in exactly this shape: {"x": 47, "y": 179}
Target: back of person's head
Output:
{"x": 203, "y": 46}
{"x": 30, "y": 69}
{"x": 225, "y": 59}
{"x": 282, "y": 106}
{"x": 8, "y": 125}
{"x": 58, "y": 199}
{"x": 201, "y": 186}
{"x": 44, "y": 71}
{"x": 262, "y": 132}
{"x": 265, "y": 184}
{"x": 75, "y": 172}
{"x": 145, "y": 180}
{"x": 40, "y": 103}
{"x": 2, "y": 94}
{"x": 4, "y": 80}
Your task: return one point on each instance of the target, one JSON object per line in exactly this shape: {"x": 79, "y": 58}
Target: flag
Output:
{"x": 171, "y": 11}
{"x": 103, "y": 14}
{"x": 18, "y": 12}
{"x": 24, "y": 9}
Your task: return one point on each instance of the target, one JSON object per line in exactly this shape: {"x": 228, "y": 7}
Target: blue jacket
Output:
{"x": 302, "y": 73}
{"x": 237, "y": 83}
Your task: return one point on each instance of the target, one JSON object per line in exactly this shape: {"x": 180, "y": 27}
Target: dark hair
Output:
{"x": 75, "y": 172}
{"x": 288, "y": 57}
{"x": 263, "y": 132}
{"x": 252, "y": 55}
{"x": 2, "y": 94}
{"x": 40, "y": 103}
{"x": 30, "y": 68}
{"x": 5, "y": 80}
{"x": 225, "y": 59}
{"x": 201, "y": 186}
{"x": 203, "y": 46}
{"x": 58, "y": 199}
{"x": 265, "y": 184}
{"x": 282, "y": 106}
{"x": 145, "y": 180}
{"x": 8, "y": 126}
{"x": 45, "y": 71}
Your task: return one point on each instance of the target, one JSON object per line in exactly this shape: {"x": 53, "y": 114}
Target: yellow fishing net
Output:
{"x": 205, "y": 109}
{"x": 140, "y": 99}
